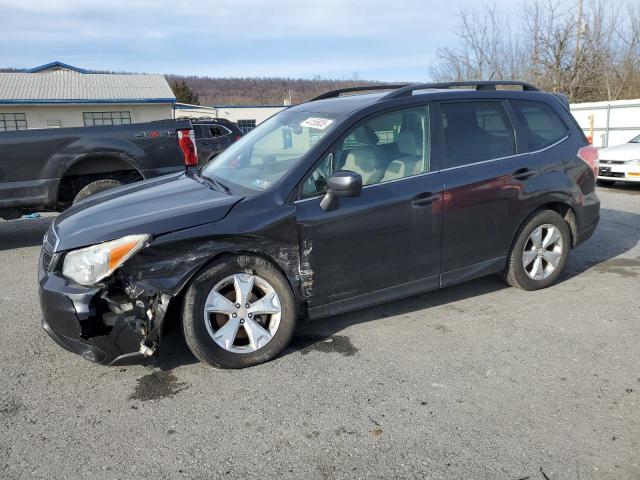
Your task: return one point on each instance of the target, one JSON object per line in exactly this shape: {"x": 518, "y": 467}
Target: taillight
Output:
{"x": 238, "y": 137}
{"x": 589, "y": 155}
{"x": 187, "y": 143}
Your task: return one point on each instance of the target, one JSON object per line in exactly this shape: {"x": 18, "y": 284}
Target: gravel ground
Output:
{"x": 474, "y": 381}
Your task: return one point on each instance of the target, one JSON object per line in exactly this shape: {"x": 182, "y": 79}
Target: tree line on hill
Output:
{"x": 253, "y": 91}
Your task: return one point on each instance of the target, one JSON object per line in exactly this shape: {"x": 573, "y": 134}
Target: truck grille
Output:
{"x": 48, "y": 248}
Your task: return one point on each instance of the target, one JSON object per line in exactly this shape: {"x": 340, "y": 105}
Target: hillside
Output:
{"x": 260, "y": 91}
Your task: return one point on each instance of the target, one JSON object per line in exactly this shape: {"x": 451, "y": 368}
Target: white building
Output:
{"x": 247, "y": 117}
{"x": 613, "y": 122}
{"x": 59, "y": 95}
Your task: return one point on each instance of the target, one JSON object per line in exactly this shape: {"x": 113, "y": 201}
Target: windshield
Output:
{"x": 635, "y": 140}
{"x": 269, "y": 151}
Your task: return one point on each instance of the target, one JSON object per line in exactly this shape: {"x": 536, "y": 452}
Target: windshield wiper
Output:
{"x": 211, "y": 182}
{"x": 218, "y": 183}
{"x": 214, "y": 182}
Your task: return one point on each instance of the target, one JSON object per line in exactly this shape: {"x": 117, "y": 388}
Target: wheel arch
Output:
{"x": 292, "y": 279}
{"x": 565, "y": 210}
{"x": 95, "y": 163}
{"x": 87, "y": 168}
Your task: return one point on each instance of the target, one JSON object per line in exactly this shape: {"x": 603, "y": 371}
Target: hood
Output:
{"x": 155, "y": 206}
{"x": 626, "y": 151}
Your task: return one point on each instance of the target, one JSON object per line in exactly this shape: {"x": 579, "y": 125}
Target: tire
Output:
{"x": 96, "y": 187}
{"x": 201, "y": 330}
{"x": 516, "y": 274}
{"x": 606, "y": 183}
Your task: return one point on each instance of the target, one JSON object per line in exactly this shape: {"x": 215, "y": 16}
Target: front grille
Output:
{"x": 48, "y": 248}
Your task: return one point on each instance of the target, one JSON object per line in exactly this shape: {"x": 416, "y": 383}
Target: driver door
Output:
{"x": 384, "y": 243}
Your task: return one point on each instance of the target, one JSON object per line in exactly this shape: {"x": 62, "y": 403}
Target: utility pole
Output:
{"x": 578, "y": 58}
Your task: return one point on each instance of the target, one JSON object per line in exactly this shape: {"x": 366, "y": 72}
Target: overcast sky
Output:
{"x": 372, "y": 39}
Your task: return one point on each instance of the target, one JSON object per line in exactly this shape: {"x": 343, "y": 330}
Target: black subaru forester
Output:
{"x": 343, "y": 202}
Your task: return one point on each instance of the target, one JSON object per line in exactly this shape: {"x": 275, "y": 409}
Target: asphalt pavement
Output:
{"x": 474, "y": 381}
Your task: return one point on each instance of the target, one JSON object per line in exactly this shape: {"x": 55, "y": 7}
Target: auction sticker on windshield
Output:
{"x": 318, "y": 123}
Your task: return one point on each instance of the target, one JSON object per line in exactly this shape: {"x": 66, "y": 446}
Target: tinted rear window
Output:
{"x": 540, "y": 124}
{"x": 475, "y": 132}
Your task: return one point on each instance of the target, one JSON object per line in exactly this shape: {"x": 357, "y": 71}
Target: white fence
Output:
{"x": 613, "y": 122}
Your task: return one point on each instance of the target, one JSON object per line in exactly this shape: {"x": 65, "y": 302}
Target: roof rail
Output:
{"x": 337, "y": 93}
{"x": 480, "y": 85}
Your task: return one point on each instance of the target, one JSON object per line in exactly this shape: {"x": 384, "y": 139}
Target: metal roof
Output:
{"x": 45, "y": 87}
{"x": 54, "y": 65}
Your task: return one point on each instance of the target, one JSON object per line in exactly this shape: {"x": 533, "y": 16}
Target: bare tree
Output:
{"x": 486, "y": 49}
{"x": 590, "y": 51}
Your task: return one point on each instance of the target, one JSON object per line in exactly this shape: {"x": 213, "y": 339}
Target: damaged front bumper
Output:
{"x": 102, "y": 326}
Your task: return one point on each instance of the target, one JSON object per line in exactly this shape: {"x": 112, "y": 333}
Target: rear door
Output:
{"x": 204, "y": 142}
{"x": 486, "y": 176}
{"x": 221, "y": 137}
{"x": 390, "y": 234}
{"x": 215, "y": 138}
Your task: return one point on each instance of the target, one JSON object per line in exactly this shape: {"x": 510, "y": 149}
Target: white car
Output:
{"x": 621, "y": 162}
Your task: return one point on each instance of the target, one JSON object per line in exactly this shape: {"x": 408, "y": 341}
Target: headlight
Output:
{"x": 633, "y": 162}
{"x": 89, "y": 265}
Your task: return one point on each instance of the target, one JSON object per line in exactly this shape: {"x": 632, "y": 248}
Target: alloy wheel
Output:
{"x": 242, "y": 313}
{"x": 542, "y": 252}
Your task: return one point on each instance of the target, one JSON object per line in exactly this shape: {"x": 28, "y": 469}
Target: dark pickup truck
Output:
{"x": 213, "y": 136}
{"x": 51, "y": 169}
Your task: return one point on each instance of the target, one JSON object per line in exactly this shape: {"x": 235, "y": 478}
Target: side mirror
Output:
{"x": 343, "y": 183}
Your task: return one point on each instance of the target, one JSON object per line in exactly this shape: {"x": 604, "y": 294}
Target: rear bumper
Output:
{"x": 588, "y": 218}
{"x": 584, "y": 235}
{"x": 72, "y": 318}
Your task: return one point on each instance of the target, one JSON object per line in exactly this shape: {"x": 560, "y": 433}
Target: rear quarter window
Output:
{"x": 476, "y": 131}
{"x": 540, "y": 123}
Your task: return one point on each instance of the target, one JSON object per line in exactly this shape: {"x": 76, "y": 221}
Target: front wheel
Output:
{"x": 239, "y": 312}
{"x": 540, "y": 252}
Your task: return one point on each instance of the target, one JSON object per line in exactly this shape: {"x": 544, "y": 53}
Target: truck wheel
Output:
{"x": 239, "y": 312}
{"x": 540, "y": 251}
{"x": 96, "y": 187}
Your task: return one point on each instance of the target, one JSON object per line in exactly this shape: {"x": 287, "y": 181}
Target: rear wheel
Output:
{"x": 606, "y": 183}
{"x": 96, "y": 187}
{"x": 540, "y": 251}
{"x": 238, "y": 313}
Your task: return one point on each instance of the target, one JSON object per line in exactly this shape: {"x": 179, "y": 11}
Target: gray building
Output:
{"x": 59, "y": 95}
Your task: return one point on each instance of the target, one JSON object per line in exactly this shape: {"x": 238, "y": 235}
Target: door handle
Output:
{"x": 523, "y": 173}
{"x": 425, "y": 199}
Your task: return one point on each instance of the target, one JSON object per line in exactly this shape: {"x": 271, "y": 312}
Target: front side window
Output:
{"x": 382, "y": 148}
{"x": 268, "y": 152}
{"x": 475, "y": 132}
{"x": 106, "y": 118}
{"x": 11, "y": 122}
{"x": 541, "y": 125}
